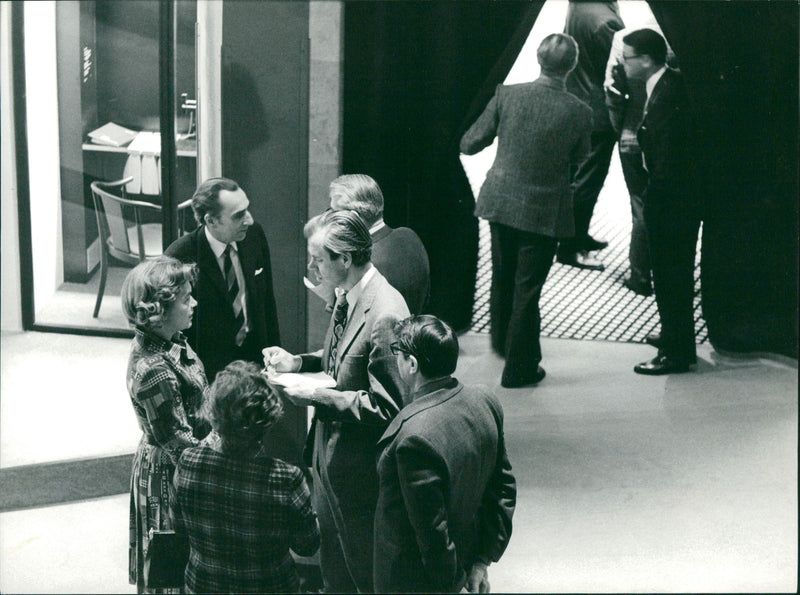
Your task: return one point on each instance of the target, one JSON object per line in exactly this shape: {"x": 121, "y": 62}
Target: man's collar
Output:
{"x": 217, "y": 247}
{"x": 432, "y": 386}
{"x": 653, "y": 79}
{"x": 553, "y": 83}
{"x": 377, "y": 226}
{"x": 357, "y": 289}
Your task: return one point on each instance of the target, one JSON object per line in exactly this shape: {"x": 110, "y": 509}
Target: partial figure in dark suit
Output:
{"x": 447, "y": 494}
{"x": 236, "y": 315}
{"x": 625, "y": 99}
{"x": 543, "y": 134}
{"x": 348, "y": 419}
{"x": 592, "y": 25}
{"x": 397, "y": 253}
{"x": 671, "y": 209}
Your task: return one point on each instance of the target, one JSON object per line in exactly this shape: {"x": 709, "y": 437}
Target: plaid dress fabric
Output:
{"x": 242, "y": 514}
{"x": 165, "y": 382}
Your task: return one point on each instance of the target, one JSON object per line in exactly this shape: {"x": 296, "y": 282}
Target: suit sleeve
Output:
{"x": 381, "y": 402}
{"x": 423, "y": 478}
{"x": 499, "y": 501}
{"x": 481, "y": 134}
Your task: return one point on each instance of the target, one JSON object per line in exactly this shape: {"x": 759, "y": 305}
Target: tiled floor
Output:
{"x": 625, "y": 483}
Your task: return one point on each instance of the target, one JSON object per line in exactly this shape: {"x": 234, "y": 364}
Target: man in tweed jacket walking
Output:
{"x": 543, "y": 134}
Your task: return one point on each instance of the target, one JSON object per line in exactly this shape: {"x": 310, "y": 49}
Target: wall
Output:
{"x": 265, "y": 149}
{"x": 9, "y": 234}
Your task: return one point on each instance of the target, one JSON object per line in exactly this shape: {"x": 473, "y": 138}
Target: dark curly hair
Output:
{"x": 241, "y": 406}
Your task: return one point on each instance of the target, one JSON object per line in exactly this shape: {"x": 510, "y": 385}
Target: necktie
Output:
{"x": 339, "y": 320}
{"x": 236, "y": 296}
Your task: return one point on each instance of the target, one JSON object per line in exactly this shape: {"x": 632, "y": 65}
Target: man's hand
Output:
{"x": 277, "y": 359}
{"x": 478, "y": 579}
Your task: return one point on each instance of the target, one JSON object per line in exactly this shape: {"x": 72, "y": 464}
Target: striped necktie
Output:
{"x": 236, "y": 296}
{"x": 339, "y": 321}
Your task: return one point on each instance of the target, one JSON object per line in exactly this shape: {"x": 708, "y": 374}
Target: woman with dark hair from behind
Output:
{"x": 241, "y": 509}
{"x": 165, "y": 381}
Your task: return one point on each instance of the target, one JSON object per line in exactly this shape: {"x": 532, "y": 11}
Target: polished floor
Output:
{"x": 685, "y": 483}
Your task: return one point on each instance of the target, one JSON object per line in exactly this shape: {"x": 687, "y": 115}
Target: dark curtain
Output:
{"x": 416, "y": 74}
{"x": 740, "y": 60}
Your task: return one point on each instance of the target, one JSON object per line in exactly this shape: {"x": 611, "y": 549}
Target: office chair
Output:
{"x": 124, "y": 232}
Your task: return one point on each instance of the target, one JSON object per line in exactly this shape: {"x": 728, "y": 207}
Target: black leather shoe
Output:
{"x": 638, "y": 287}
{"x": 581, "y": 260}
{"x": 659, "y": 366}
{"x": 509, "y": 381}
{"x": 653, "y": 339}
{"x": 590, "y": 244}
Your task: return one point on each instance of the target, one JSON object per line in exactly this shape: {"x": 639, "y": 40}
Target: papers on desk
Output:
{"x": 143, "y": 164}
{"x": 112, "y": 135}
{"x": 313, "y": 380}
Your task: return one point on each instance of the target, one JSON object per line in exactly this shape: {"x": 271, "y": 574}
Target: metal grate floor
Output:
{"x": 581, "y": 304}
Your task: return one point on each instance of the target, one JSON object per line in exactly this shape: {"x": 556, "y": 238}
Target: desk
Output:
{"x": 184, "y": 148}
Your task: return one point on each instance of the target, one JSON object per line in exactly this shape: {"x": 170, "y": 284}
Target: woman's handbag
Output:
{"x": 166, "y": 559}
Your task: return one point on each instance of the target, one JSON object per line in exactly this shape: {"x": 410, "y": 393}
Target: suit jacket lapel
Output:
{"x": 207, "y": 262}
{"x": 359, "y": 316}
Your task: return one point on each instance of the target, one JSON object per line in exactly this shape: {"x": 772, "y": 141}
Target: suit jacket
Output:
{"x": 213, "y": 331}
{"x": 349, "y": 419}
{"x": 665, "y": 136}
{"x": 400, "y": 256}
{"x": 447, "y": 495}
{"x": 592, "y": 25}
{"x": 543, "y": 134}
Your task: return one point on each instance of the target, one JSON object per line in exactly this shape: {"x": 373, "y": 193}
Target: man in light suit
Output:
{"x": 671, "y": 202}
{"x": 233, "y": 320}
{"x": 398, "y": 253}
{"x": 349, "y": 418}
{"x": 543, "y": 134}
{"x": 447, "y": 494}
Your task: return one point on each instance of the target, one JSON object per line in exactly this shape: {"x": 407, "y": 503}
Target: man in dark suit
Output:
{"x": 592, "y": 25}
{"x": 671, "y": 209}
{"x": 397, "y": 253}
{"x": 350, "y": 417}
{"x": 543, "y": 134}
{"x": 236, "y": 315}
{"x": 447, "y": 494}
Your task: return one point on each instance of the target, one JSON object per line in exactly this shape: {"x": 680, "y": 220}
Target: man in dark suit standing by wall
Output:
{"x": 236, "y": 315}
{"x": 671, "y": 209}
{"x": 592, "y": 25}
{"x": 397, "y": 253}
{"x": 543, "y": 134}
{"x": 447, "y": 494}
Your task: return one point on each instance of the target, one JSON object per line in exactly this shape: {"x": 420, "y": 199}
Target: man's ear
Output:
{"x": 413, "y": 364}
{"x": 209, "y": 219}
{"x": 347, "y": 259}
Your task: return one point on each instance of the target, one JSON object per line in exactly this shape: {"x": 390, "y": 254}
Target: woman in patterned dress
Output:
{"x": 165, "y": 381}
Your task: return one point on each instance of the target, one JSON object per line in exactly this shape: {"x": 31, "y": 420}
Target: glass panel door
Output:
{"x": 94, "y": 150}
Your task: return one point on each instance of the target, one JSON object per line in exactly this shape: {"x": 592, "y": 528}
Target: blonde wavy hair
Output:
{"x": 151, "y": 286}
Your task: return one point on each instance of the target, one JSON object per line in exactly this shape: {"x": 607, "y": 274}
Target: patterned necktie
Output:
{"x": 339, "y": 320}
{"x": 236, "y": 296}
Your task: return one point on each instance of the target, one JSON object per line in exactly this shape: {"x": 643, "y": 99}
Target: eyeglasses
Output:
{"x": 395, "y": 348}
{"x": 631, "y": 57}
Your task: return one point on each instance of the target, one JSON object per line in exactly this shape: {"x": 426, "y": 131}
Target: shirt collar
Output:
{"x": 218, "y": 247}
{"x": 433, "y": 385}
{"x": 356, "y": 291}
{"x": 176, "y": 349}
{"x": 377, "y": 226}
{"x": 652, "y": 81}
